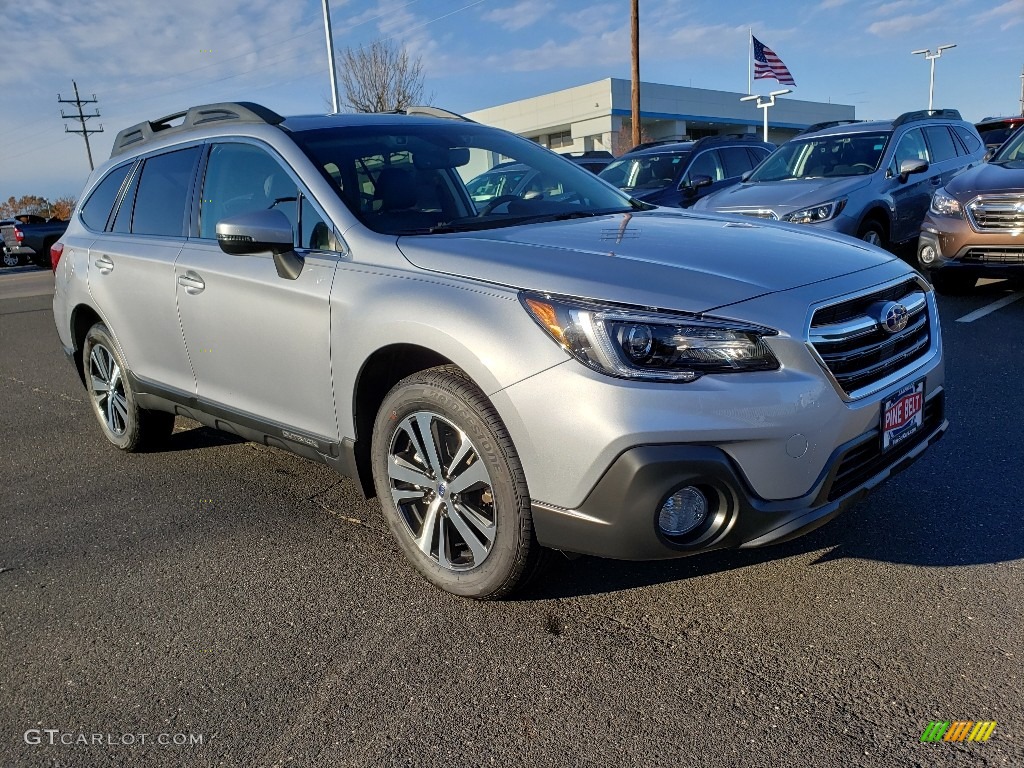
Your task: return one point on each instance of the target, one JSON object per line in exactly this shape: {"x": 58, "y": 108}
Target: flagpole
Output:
{"x": 750, "y": 60}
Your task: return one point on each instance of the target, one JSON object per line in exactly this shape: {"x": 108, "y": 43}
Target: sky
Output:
{"x": 144, "y": 59}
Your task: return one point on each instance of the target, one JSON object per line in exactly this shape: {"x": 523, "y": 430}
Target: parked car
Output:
{"x": 975, "y": 223}
{"x": 995, "y": 130}
{"x": 872, "y": 180}
{"x": 589, "y": 374}
{"x": 678, "y": 173}
{"x": 9, "y": 259}
{"x": 29, "y": 238}
{"x": 594, "y": 160}
{"x": 510, "y": 180}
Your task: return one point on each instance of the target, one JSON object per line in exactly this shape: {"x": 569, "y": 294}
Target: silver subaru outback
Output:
{"x": 562, "y": 369}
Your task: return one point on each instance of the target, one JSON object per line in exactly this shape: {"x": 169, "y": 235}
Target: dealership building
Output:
{"x": 591, "y": 116}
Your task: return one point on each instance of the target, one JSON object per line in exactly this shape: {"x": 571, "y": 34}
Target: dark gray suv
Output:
{"x": 872, "y": 180}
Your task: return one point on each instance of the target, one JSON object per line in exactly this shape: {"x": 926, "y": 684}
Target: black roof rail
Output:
{"x": 193, "y": 117}
{"x": 659, "y": 142}
{"x": 926, "y": 114}
{"x": 428, "y": 111}
{"x": 603, "y": 154}
{"x": 723, "y": 138}
{"x": 827, "y": 124}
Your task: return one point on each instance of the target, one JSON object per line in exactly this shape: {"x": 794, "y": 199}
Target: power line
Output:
{"x": 81, "y": 117}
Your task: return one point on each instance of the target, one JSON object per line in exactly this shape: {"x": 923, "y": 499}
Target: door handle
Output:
{"x": 104, "y": 264}
{"x": 191, "y": 282}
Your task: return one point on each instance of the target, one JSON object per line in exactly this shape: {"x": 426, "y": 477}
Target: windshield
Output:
{"x": 644, "y": 171}
{"x": 434, "y": 178}
{"x": 1012, "y": 151}
{"x": 855, "y": 154}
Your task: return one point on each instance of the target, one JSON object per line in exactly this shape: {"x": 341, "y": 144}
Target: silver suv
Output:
{"x": 872, "y": 180}
{"x": 580, "y": 372}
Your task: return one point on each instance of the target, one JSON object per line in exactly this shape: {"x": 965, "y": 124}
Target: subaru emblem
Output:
{"x": 894, "y": 317}
{"x": 442, "y": 488}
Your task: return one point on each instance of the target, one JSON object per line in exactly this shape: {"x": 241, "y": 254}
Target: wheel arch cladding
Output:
{"x": 83, "y": 317}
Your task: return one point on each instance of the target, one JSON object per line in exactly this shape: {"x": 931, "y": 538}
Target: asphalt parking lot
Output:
{"x": 252, "y": 605}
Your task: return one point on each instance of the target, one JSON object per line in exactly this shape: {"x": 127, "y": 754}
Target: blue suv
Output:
{"x": 678, "y": 173}
{"x": 872, "y": 180}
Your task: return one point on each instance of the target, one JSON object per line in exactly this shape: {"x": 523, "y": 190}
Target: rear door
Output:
{"x": 259, "y": 343}
{"x": 131, "y": 267}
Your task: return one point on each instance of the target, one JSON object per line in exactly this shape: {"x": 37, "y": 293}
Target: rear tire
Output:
{"x": 452, "y": 487}
{"x": 124, "y": 423}
{"x": 951, "y": 283}
{"x": 11, "y": 259}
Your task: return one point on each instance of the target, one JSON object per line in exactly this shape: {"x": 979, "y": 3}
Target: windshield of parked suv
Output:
{"x": 644, "y": 171}
{"x": 490, "y": 185}
{"x": 856, "y": 154}
{"x": 415, "y": 178}
{"x": 1012, "y": 151}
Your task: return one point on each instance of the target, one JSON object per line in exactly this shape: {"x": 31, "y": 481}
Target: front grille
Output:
{"x": 854, "y": 346}
{"x": 996, "y": 213}
{"x": 760, "y": 213}
{"x": 866, "y": 460}
{"x": 994, "y": 256}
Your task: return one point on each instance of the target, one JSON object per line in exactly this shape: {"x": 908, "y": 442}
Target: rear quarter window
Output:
{"x": 96, "y": 210}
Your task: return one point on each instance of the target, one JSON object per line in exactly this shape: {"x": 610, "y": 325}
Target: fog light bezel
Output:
{"x": 714, "y": 525}
{"x": 927, "y": 262}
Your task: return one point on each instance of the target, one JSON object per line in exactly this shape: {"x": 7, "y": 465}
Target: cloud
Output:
{"x": 1010, "y": 14}
{"x": 900, "y": 25}
{"x": 519, "y": 15}
{"x": 888, "y": 9}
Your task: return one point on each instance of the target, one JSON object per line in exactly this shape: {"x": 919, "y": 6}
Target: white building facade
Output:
{"x": 591, "y": 116}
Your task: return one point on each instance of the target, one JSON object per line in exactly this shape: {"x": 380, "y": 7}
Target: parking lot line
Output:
{"x": 987, "y": 309}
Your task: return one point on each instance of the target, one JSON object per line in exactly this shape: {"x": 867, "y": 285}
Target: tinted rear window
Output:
{"x": 941, "y": 142}
{"x": 162, "y": 199}
{"x": 96, "y": 210}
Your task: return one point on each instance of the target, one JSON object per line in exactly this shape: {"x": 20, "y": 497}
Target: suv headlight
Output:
{"x": 634, "y": 343}
{"x": 944, "y": 204}
{"x": 816, "y": 213}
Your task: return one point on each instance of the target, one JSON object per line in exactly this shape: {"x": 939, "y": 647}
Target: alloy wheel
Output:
{"x": 107, "y": 388}
{"x": 442, "y": 490}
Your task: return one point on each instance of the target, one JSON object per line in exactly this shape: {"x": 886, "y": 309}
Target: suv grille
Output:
{"x": 996, "y": 213}
{"x": 995, "y": 255}
{"x": 855, "y": 347}
{"x": 866, "y": 460}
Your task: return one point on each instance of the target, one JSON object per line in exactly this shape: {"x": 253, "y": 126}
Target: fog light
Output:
{"x": 683, "y": 511}
{"x": 927, "y": 254}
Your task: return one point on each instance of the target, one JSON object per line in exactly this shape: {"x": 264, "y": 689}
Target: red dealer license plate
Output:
{"x": 902, "y": 415}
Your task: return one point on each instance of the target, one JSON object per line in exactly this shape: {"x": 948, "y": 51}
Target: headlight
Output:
{"x": 945, "y": 205}
{"x": 634, "y": 343}
{"x": 817, "y": 213}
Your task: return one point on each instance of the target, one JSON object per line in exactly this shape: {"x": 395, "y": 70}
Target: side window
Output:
{"x": 970, "y": 140}
{"x": 705, "y": 164}
{"x": 736, "y": 161}
{"x": 241, "y": 178}
{"x": 163, "y": 195}
{"x": 911, "y": 147}
{"x": 96, "y": 210}
{"x": 756, "y": 155}
{"x": 123, "y": 219}
{"x": 941, "y": 143}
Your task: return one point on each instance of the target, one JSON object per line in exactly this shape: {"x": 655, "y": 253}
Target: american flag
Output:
{"x": 768, "y": 65}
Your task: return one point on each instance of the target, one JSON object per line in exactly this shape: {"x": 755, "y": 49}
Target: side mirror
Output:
{"x": 255, "y": 232}
{"x": 989, "y": 155}
{"x": 746, "y": 175}
{"x": 690, "y": 190}
{"x": 911, "y": 166}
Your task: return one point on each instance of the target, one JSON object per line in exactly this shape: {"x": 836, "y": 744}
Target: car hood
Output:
{"x": 781, "y": 196}
{"x": 987, "y": 177}
{"x": 662, "y": 258}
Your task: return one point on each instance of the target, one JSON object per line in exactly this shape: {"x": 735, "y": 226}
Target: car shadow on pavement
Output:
{"x": 947, "y": 524}
{"x": 190, "y": 435}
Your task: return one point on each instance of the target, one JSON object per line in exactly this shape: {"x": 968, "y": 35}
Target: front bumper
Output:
{"x": 960, "y": 249}
{"x": 619, "y": 517}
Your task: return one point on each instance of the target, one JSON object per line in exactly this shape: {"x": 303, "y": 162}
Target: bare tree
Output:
{"x": 381, "y": 78}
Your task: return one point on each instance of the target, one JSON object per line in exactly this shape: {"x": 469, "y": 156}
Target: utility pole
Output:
{"x": 1022, "y": 91}
{"x": 81, "y": 117}
{"x": 333, "y": 72}
{"x": 635, "y": 24}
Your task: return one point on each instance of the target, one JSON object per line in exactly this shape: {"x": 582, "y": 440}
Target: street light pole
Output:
{"x": 330, "y": 56}
{"x": 932, "y": 57}
{"x": 769, "y": 102}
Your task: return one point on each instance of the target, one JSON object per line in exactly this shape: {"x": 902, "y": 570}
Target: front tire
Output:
{"x": 872, "y": 232}
{"x": 124, "y": 423}
{"x": 451, "y": 485}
